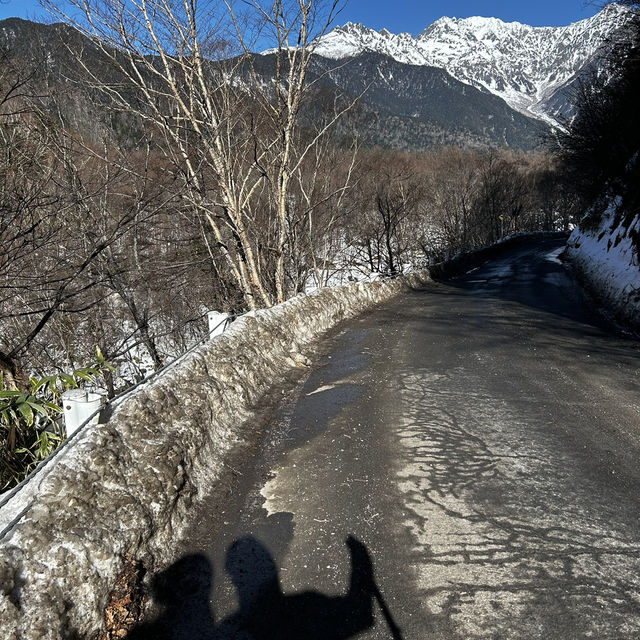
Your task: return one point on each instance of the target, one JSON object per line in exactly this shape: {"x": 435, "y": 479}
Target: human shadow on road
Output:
{"x": 264, "y": 612}
{"x": 182, "y": 592}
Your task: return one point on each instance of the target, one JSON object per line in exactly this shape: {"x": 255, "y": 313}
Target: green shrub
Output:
{"x": 30, "y": 428}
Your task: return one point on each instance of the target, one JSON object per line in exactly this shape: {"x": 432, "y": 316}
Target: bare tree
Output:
{"x": 452, "y": 186}
{"x": 601, "y": 146}
{"x": 228, "y": 127}
{"x": 390, "y": 191}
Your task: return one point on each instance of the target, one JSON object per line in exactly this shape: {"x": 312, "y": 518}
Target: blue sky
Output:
{"x": 20, "y": 8}
{"x": 414, "y": 15}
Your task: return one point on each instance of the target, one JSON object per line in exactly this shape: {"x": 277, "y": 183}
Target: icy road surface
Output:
{"x": 479, "y": 440}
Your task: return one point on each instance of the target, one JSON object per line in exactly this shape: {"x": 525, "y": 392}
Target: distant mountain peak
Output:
{"x": 352, "y": 27}
{"x": 524, "y": 65}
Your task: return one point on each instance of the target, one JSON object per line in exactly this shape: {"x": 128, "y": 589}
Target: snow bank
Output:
{"x": 125, "y": 488}
{"x": 607, "y": 261}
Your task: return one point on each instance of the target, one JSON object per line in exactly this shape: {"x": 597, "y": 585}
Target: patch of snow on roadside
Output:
{"x": 608, "y": 261}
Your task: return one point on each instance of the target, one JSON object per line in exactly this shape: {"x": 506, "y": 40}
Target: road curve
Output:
{"x": 460, "y": 463}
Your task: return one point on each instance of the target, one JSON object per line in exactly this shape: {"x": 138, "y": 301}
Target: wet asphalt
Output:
{"x": 461, "y": 462}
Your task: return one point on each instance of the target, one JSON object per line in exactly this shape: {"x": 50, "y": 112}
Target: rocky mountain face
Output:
{"x": 530, "y": 68}
{"x": 44, "y": 55}
{"x": 412, "y": 107}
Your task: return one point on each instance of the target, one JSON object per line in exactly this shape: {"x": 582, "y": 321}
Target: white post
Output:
{"x": 78, "y": 405}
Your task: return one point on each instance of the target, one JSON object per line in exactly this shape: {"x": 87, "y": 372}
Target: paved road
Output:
{"x": 479, "y": 440}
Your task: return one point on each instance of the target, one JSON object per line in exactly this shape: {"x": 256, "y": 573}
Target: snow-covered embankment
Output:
{"x": 125, "y": 488}
{"x": 607, "y": 260}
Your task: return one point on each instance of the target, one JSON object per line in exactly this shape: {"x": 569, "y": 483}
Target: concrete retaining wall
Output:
{"x": 125, "y": 488}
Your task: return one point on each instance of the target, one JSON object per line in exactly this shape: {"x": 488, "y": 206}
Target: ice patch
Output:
{"x": 554, "y": 256}
{"x": 326, "y": 387}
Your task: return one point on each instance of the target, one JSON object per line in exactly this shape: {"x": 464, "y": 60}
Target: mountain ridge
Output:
{"x": 406, "y": 107}
{"x": 528, "y": 67}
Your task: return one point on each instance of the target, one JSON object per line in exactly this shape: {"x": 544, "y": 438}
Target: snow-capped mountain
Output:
{"x": 526, "y": 66}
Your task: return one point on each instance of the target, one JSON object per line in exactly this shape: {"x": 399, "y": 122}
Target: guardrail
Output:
{"x": 105, "y": 412}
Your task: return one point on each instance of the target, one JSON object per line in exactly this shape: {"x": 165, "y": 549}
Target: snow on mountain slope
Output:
{"x": 523, "y": 65}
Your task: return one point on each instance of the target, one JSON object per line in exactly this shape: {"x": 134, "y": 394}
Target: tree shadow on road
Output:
{"x": 529, "y": 278}
{"x": 264, "y": 612}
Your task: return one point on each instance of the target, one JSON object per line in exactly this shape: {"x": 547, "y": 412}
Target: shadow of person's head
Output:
{"x": 253, "y": 571}
{"x": 188, "y": 579}
{"x": 181, "y": 594}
